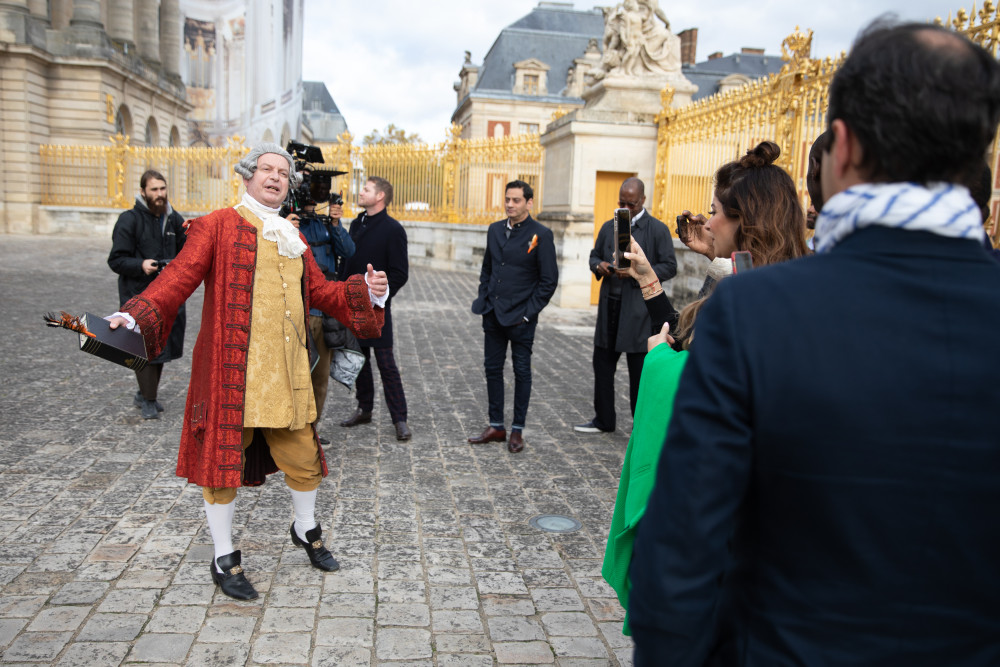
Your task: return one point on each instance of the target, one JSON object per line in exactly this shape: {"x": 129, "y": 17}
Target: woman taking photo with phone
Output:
{"x": 754, "y": 208}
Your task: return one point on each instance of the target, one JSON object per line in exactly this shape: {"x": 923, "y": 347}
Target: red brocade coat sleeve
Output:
{"x": 221, "y": 251}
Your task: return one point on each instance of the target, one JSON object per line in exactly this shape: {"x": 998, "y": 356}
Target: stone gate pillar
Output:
{"x": 615, "y": 131}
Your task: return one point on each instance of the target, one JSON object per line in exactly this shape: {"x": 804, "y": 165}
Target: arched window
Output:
{"x": 152, "y": 133}
{"x": 175, "y": 137}
{"x": 123, "y": 121}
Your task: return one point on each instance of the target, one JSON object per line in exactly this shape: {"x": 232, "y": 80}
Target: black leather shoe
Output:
{"x": 232, "y": 581}
{"x": 591, "y": 427}
{"x": 359, "y": 417}
{"x": 322, "y": 440}
{"x": 149, "y": 410}
{"x": 320, "y": 557}
{"x": 403, "y": 431}
{"x": 138, "y": 401}
{"x": 489, "y": 435}
{"x": 516, "y": 442}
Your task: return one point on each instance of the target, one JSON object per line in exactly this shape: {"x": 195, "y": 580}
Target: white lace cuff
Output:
{"x": 377, "y": 300}
{"x": 131, "y": 326}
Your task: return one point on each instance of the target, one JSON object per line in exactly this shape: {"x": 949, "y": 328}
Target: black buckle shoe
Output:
{"x": 318, "y": 554}
{"x": 231, "y": 580}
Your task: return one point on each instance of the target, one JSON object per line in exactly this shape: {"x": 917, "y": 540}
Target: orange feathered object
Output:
{"x": 67, "y": 321}
{"x": 534, "y": 243}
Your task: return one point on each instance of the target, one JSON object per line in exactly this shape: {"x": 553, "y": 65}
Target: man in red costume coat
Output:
{"x": 250, "y": 405}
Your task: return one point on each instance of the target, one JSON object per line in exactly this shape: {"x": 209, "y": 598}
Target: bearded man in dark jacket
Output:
{"x": 145, "y": 238}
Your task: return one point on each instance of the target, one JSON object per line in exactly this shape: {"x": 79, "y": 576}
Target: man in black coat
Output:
{"x": 144, "y": 239}
{"x": 518, "y": 278}
{"x": 828, "y": 489}
{"x": 379, "y": 240}
{"x": 623, "y": 323}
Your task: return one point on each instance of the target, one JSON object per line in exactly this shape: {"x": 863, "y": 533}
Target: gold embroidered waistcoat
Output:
{"x": 278, "y": 388}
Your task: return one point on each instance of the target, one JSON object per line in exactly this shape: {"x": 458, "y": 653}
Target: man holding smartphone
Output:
{"x": 623, "y": 323}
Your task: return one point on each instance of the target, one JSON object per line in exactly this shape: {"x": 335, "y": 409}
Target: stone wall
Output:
{"x": 444, "y": 245}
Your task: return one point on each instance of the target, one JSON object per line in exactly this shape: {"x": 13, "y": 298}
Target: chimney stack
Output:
{"x": 689, "y": 46}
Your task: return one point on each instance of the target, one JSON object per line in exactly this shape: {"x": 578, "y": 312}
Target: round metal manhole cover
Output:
{"x": 555, "y": 523}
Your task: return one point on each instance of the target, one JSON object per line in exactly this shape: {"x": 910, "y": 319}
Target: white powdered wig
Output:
{"x": 248, "y": 165}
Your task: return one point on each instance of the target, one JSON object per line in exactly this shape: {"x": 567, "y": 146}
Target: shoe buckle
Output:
{"x": 318, "y": 544}
{"x": 236, "y": 570}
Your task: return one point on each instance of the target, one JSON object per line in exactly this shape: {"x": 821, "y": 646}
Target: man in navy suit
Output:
{"x": 518, "y": 278}
{"x": 379, "y": 240}
{"x": 829, "y": 486}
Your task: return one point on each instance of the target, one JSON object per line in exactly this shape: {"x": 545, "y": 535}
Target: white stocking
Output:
{"x": 304, "y": 503}
{"x": 220, "y": 524}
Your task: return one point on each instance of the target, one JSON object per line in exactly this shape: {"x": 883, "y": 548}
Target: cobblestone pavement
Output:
{"x": 104, "y": 552}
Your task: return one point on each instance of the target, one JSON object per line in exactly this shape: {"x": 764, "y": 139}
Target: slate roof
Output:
{"x": 556, "y": 34}
{"x": 315, "y": 91}
{"x": 320, "y": 112}
{"x": 707, "y": 74}
{"x": 552, "y": 33}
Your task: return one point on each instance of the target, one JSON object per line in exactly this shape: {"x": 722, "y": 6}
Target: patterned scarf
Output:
{"x": 939, "y": 208}
{"x": 276, "y": 228}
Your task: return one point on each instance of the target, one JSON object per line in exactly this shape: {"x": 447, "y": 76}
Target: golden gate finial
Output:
{"x": 797, "y": 46}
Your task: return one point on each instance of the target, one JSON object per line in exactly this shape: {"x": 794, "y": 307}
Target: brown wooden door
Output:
{"x": 605, "y": 202}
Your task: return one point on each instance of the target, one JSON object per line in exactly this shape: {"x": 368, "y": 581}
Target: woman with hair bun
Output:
{"x": 755, "y": 208}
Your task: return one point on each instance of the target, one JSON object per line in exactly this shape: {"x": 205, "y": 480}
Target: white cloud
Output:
{"x": 395, "y": 61}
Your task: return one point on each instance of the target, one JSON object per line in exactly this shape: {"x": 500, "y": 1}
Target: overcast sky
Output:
{"x": 395, "y": 61}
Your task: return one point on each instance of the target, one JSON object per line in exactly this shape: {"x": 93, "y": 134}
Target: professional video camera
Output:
{"x": 316, "y": 182}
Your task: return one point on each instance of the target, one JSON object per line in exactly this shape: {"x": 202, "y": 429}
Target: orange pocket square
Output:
{"x": 533, "y": 244}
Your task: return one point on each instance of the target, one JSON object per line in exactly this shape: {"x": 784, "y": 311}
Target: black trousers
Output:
{"x": 605, "y": 365}
{"x": 521, "y": 338}
{"x": 392, "y": 383}
{"x": 149, "y": 380}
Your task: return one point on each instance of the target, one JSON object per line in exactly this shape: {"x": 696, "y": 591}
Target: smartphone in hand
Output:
{"x": 623, "y": 237}
{"x": 683, "y": 226}
{"x": 742, "y": 261}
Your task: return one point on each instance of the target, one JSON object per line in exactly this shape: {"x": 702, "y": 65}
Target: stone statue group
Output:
{"x": 638, "y": 41}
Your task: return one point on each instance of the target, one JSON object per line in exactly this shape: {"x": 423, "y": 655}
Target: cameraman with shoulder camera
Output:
{"x": 145, "y": 238}
{"x": 331, "y": 244}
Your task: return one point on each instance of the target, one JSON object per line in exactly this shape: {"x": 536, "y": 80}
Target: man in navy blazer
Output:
{"x": 379, "y": 240}
{"x": 829, "y": 487}
{"x": 518, "y": 278}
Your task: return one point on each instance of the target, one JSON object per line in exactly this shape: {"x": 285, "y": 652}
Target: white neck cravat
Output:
{"x": 276, "y": 228}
